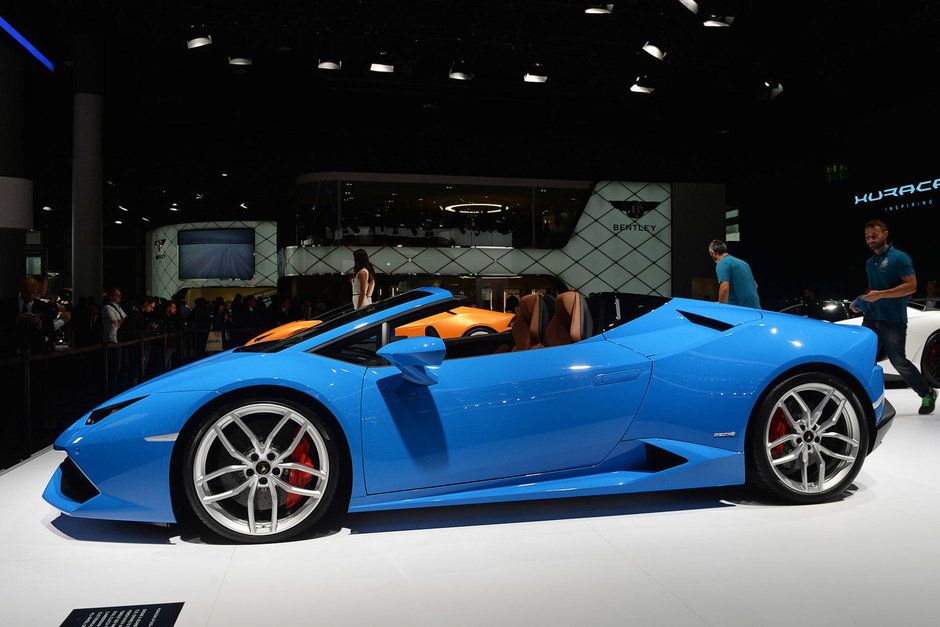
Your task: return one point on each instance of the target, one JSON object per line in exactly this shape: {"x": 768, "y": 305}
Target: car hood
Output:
{"x": 232, "y": 369}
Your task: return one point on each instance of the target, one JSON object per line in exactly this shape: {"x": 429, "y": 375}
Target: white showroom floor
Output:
{"x": 697, "y": 557}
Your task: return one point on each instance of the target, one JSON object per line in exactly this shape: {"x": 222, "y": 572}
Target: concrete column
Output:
{"x": 87, "y": 169}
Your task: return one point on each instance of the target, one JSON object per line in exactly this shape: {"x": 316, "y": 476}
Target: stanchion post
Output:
{"x": 27, "y": 405}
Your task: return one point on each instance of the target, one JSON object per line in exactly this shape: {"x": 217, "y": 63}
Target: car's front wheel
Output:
{"x": 808, "y": 440}
{"x": 930, "y": 360}
{"x": 261, "y": 470}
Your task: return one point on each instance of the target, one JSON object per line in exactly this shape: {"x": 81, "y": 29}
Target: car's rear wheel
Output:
{"x": 478, "y": 331}
{"x": 930, "y": 360}
{"x": 808, "y": 440}
{"x": 261, "y": 470}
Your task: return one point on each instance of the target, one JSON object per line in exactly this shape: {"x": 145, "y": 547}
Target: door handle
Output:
{"x": 616, "y": 377}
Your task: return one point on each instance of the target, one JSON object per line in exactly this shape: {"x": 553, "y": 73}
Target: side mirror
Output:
{"x": 413, "y": 356}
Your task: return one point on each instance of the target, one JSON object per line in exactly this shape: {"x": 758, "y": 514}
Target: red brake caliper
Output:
{"x": 778, "y": 429}
{"x": 297, "y": 478}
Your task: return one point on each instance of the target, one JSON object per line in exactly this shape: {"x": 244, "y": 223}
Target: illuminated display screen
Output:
{"x": 217, "y": 254}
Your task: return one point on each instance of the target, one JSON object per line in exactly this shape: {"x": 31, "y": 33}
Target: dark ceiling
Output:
{"x": 175, "y": 119}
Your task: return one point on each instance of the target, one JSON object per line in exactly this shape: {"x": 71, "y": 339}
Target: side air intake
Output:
{"x": 658, "y": 459}
{"x": 711, "y": 323}
{"x": 75, "y": 484}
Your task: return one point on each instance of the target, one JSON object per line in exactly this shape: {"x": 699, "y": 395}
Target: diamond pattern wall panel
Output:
{"x": 622, "y": 242}
{"x": 164, "y": 275}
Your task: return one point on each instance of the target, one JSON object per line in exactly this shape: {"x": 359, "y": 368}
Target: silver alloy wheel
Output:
{"x": 242, "y": 467}
{"x": 812, "y": 439}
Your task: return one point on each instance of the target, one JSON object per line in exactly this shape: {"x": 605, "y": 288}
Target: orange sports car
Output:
{"x": 456, "y": 322}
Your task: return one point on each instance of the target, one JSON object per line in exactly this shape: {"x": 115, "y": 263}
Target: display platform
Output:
{"x": 695, "y": 557}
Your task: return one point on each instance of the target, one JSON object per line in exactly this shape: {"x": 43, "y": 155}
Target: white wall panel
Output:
{"x": 164, "y": 259}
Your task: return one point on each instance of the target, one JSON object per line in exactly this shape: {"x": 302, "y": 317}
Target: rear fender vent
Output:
{"x": 711, "y": 323}
{"x": 658, "y": 459}
{"x": 75, "y": 484}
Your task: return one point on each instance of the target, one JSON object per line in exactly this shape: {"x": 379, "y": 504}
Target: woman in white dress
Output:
{"x": 363, "y": 280}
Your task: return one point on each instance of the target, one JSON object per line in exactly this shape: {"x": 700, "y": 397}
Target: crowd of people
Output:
{"x": 172, "y": 332}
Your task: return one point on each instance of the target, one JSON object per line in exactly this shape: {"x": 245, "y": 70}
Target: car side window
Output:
{"x": 356, "y": 349}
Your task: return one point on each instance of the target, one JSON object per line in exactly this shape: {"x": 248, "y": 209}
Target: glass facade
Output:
{"x": 381, "y": 213}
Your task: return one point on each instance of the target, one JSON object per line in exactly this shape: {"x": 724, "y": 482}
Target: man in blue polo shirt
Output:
{"x": 891, "y": 279}
{"x": 736, "y": 284}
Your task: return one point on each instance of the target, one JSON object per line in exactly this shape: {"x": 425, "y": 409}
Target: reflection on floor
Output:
{"x": 700, "y": 557}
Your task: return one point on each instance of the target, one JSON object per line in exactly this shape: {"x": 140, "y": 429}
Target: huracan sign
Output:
{"x": 897, "y": 192}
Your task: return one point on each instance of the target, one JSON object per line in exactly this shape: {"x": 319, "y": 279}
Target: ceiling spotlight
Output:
{"x": 719, "y": 21}
{"x": 691, "y": 5}
{"x": 145, "y": 219}
{"x": 536, "y": 74}
{"x": 599, "y": 9}
{"x": 459, "y": 71}
{"x": 239, "y": 60}
{"x": 47, "y": 208}
{"x": 774, "y": 89}
{"x": 198, "y": 37}
{"x": 329, "y": 63}
{"x": 174, "y": 208}
{"x": 382, "y": 63}
{"x": 642, "y": 85}
{"x": 654, "y": 50}
{"x": 122, "y": 208}
{"x": 243, "y": 205}
{"x": 118, "y": 222}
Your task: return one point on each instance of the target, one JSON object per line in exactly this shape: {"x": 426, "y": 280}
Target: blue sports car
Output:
{"x": 614, "y": 394}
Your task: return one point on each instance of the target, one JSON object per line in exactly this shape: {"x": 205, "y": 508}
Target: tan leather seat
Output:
{"x": 533, "y": 315}
{"x": 571, "y": 322}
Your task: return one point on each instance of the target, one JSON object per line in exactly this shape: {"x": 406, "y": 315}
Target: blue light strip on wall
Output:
{"x": 32, "y": 49}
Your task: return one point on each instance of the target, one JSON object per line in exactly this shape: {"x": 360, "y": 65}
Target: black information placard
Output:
{"x": 155, "y": 615}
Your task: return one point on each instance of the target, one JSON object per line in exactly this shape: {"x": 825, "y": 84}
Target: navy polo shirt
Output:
{"x": 885, "y": 270}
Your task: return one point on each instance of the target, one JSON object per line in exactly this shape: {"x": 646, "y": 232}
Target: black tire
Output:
{"x": 478, "y": 331}
{"x": 808, "y": 439}
{"x": 930, "y": 360}
{"x": 255, "y": 448}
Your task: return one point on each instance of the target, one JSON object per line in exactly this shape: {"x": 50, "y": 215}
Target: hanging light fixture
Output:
{"x": 329, "y": 63}
{"x": 642, "y": 85}
{"x": 239, "y": 46}
{"x": 719, "y": 21}
{"x": 654, "y": 50}
{"x": 383, "y": 63}
{"x": 599, "y": 9}
{"x": 536, "y": 74}
{"x": 691, "y": 5}
{"x": 774, "y": 89}
{"x": 198, "y": 37}
{"x": 460, "y": 71}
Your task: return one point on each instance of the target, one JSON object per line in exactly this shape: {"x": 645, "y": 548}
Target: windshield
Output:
{"x": 338, "y": 319}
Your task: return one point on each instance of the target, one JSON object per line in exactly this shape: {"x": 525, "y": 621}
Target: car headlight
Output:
{"x": 100, "y": 414}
